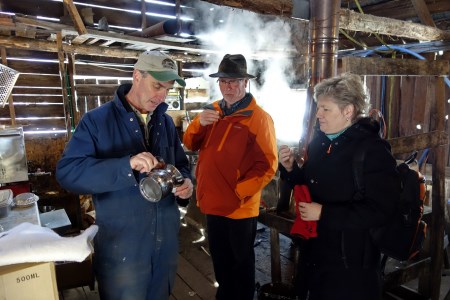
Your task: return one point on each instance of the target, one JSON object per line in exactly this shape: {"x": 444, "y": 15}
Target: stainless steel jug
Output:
{"x": 160, "y": 182}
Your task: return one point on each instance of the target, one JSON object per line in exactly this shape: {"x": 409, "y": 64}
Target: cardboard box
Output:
{"x": 30, "y": 281}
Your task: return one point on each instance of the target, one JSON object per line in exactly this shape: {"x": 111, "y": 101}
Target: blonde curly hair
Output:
{"x": 345, "y": 89}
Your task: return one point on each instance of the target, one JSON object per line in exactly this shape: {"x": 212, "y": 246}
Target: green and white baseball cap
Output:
{"x": 160, "y": 66}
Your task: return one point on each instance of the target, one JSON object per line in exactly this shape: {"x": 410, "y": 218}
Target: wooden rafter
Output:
{"x": 401, "y": 10}
{"x": 422, "y": 11}
{"x": 63, "y": 79}
{"x": 269, "y": 7}
{"x": 349, "y": 20}
{"x": 76, "y": 18}
{"x": 24, "y": 43}
{"x": 47, "y": 46}
{"x": 354, "y": 21}
{"x": 144, "y": 43}
{"x": 143, "y": 15}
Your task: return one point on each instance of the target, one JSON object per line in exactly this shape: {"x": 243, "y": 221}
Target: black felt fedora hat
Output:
{"x": 233, "y": 66}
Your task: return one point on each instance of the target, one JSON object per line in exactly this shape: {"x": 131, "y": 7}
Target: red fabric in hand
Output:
{"x": 305, "y": 229}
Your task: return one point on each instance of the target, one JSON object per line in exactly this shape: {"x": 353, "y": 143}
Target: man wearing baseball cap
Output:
{"x": 113, "y": 147}
{"x": 237, "y": 158}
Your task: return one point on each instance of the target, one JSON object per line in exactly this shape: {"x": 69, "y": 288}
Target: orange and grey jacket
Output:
{"x": 237, "y": 158}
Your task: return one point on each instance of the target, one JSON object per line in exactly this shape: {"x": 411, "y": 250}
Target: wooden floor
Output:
{"x": 195, "y": 275}
{"x": 191, "y": 284}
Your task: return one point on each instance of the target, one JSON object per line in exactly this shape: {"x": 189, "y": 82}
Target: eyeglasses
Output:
{"x": 232, "y": 82}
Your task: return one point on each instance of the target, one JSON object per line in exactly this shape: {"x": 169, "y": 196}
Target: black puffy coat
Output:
{"x": 342, "y": 262}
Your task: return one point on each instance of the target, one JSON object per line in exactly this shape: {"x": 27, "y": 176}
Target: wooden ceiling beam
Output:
{"x": 351, "y": 20}
{"x": 422, "y": 11}
{"x": 47, "y": 46}
{"x": 348, "y": 20}
{"x": 147, "y": 43}
{"x": 143, "y": 15}
{"x": 267, "y": 7}
{"x": 401, "y": 10}
{"x": 76, "y": 18}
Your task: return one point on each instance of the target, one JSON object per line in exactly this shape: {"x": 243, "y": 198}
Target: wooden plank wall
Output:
{"x": 408, "y": 101}
{"x": 37, "y": 92}
{"x": 44, "y": 153}
{"x": 38, "y": 101}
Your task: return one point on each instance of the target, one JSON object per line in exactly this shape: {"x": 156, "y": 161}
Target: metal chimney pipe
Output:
{"x": 323, "y": 49}
{"x": 324, "y": 37}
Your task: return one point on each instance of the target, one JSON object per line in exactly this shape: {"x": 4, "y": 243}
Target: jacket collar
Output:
{"x": 362, "y": 128}
{"x": 241, "y": 104}
{"x": 245, "y": 108}
{"x": 120, "y": 100}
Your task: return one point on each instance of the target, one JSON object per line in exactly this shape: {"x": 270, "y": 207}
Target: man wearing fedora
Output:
{"x": 112, "y": 149}
{"x": 237, "y": 157}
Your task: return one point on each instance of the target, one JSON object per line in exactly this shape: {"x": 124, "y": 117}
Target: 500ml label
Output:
{"x": 28, "y": 277}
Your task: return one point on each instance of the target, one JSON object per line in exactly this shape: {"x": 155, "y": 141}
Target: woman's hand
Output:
{"x": 185, "y": 190}
{"x": 286, "y": 157}
{"x": 310, "y": 211}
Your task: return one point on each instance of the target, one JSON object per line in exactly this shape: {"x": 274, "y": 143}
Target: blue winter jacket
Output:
{"x": 97, "y": 158}
{"x": 134, "y": 234}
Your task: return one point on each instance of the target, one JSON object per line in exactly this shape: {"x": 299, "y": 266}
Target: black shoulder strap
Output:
{"x": 358, "y": 168}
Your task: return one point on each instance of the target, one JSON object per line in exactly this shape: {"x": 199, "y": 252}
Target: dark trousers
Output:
{"x": 231, "y": 244}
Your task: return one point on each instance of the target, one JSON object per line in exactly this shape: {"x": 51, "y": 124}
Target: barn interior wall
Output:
{"x": 407, "y": 104}
{"x": 38, "y": 102}
{"x": 44, "y": 153}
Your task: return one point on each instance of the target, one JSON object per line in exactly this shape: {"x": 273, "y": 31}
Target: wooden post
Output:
{"x": 143, "y": 15}
{"x": 438, "y": 197}
{"x": 275, "y": 263}
{"x": 62, "y": 75}
{"x": 76, "y": 18}
{"x": 74, "y": 96}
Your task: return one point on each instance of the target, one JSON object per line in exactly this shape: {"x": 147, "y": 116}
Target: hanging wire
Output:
{"x": 362, "y": 45}
{"x": 377, "y": 36}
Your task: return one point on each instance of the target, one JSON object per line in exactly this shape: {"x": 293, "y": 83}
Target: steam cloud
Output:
{"x": 266, "y": 44}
